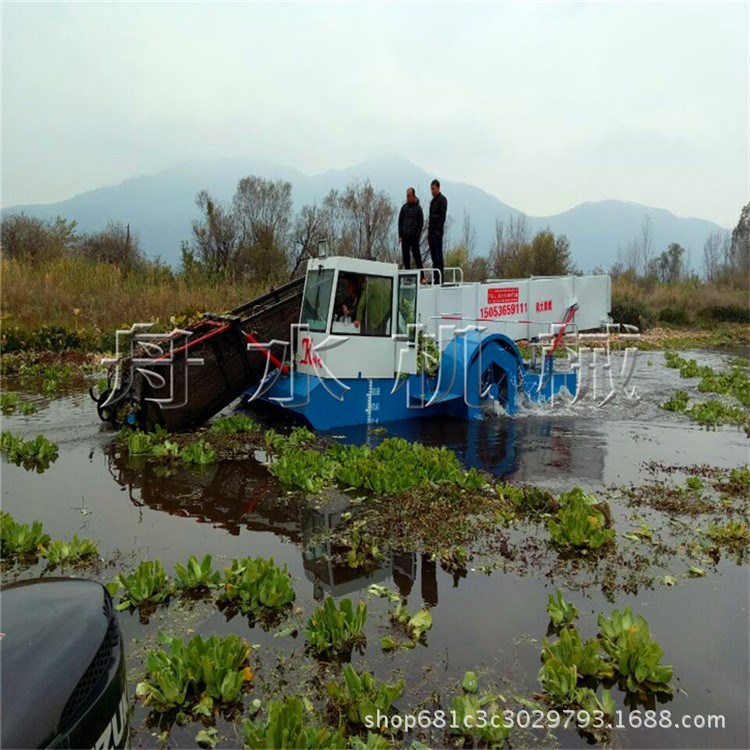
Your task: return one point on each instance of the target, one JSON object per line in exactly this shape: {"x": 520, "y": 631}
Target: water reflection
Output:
{"x": 241, "y": 494}
{"x": 233, "y": 495}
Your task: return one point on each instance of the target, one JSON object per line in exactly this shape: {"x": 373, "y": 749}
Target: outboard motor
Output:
{"x": 63, "y": 666}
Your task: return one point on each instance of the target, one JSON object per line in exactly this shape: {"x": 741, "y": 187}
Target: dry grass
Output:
{"x": 695, "y": 296}
{"x": 78, "y": 294}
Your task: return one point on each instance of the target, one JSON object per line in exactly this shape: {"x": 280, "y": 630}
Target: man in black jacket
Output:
{"x": 436, "y": 225}
{"x": 410, "y": 223}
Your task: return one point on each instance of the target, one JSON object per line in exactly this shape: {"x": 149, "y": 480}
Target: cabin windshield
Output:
{"x": 317, "y": 300}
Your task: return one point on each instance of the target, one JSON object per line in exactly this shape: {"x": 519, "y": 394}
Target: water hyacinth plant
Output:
{"x": 468, "y": 708}
{"x": 364, "y": 551}
{"x": 257, "y": 586}
{"x": 148, "y": 584}
{"x": 290, "y": 727}
{"x": 196, "y": 576}
{"x": 359, "y": 696}
{"x": 8, "y": 402}
{"x": 279, "y": 444}
{"x": 571, "y": 652}
{"x": 161, "y": 446}
{"x": 199, "y": 453}
{"x": 635, "y": 657}
{"x": 307, "y": 470}
{"x": 76, "y": 550}
{"x": 581, "y": 523}
{"x": 734, "y": 535}
{"x": 19, "y": 541}
{"x": 561, "y": 613}
{"x": 393, "y": 467}
{"x": 397, "y": 465}
{"x": 334, "y": 631}
{"x": 36, "y": 454}
{"x": 211, "y": 670}
{"x": 233, "y": 424}
{"x": 415, "y": 625}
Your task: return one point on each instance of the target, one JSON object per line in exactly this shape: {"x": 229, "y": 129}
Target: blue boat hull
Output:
{"x": 474, "y": 375}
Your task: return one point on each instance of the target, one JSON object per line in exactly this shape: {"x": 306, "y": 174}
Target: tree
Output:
{"x": 468, "y": 235}
{"x": 645, "y": 244}
{"x": 114, "y": 244}
{"x": 715, "y": 248}
{"x": 312, "y": 225}
{"x": 216, "y": 236}
{"x": 512, "y": 255}
{"x": 368, "y": 216}
{"x": 31, "y": 239}
{"x": 263, "y": 209}
{"x": 738, "y": 260}
{"x": 509, "y": 241}
{"x": 669, "y": 265}
{"x": 635, "y": 260}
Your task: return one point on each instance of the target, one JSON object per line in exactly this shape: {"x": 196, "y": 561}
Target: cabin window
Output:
{"x": 348, "y": 290}
{"x": 407, "y": 305}
{"x": 317, "y": 300}
{"x": 374, "y": 306}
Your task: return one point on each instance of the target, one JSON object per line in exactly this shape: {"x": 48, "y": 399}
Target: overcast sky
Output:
{"x": 543, "y": 105}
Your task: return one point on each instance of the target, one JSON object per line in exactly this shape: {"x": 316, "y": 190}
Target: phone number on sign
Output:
{"x": 537, "y": 719}
{"x": 498, "y": 311}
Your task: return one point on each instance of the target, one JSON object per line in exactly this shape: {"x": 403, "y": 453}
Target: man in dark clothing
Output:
{"x": 436, "y": 225}
{"x": 410, "y": 223}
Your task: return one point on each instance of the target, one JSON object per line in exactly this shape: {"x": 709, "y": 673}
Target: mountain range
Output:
{"x": 160, "y": 208}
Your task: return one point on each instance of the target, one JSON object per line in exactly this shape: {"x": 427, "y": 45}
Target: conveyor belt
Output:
{"x": 193, "y": 393}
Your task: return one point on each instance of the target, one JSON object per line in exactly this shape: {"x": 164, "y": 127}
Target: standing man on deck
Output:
{"x": 410, "y": 223}
{"x": 436, "y": 226}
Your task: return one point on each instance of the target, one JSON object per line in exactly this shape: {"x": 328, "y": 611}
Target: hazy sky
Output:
{"x": 544, "y": 105}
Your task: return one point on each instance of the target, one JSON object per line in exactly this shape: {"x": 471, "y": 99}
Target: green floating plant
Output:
{"x": 60, "y": 552}
{"x": 694, "y": 483}
{"x": 290, "y": 727}
{"x": 36, "y": 454}
{"x": 415, "y": 625}
{"x": 278, "y": 444}
{"x": 397, "y": 465}
{"x": 196, "y": 674}
{"x": 8, "y": 402}
{"x": 233, "y": 424}
{"x": 148, "y": 584}
{"x": 678, "y": 402}
{"x": 160, "y": 446}
{"x": 332, "y": 630}
{"x": 199, "y": 452}
{"x": 364, "y": 551}
{"x": 308, "y": 470}
{"x": 358, "y": 697}
{"x": 581, "y": 522}
{"x": 139, "y": 443}
{"x": 196, "y": 575}
{"x": 257, "y": 586}
{"x": 393, "y": 467}
{"x": 740, "y": 475}
{"x": 561, "y": 613}
{"x": 526, "y": 501}
{"x": 635, "y": 657}
{"x": 19, "y": 541}
{"x": 468, "y": 709}
{"x": 572, "y": 653}
{"x": 377, "y": 742}
{"x": 735, "y": 535}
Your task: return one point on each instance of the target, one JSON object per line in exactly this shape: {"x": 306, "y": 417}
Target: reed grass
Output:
{"x": 74, "y": 293}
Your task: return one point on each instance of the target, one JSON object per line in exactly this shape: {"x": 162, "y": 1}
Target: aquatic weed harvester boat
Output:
{"x": 361, "y": 342}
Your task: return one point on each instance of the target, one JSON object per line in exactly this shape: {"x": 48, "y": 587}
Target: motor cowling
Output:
{"x": 63, "y": 666}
